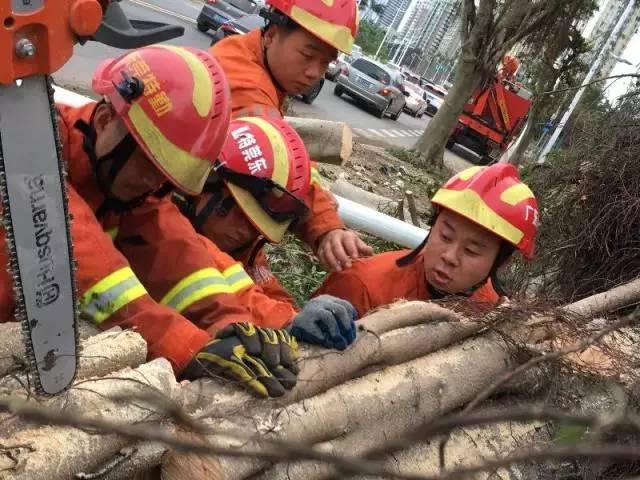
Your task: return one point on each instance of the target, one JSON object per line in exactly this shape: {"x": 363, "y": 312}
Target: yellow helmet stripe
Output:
{"x": 185, "y": 170}
{"x": 338, "y": 36}
{"x": 470, "y": 205}
{"x": 469, "y": 172}
{"x": 280, "y": 173}
{"x": 516, "y": 194}
{"x": 203, "y": 91}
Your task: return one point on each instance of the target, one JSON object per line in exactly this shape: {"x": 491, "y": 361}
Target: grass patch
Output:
{"x": 298, "y": 269}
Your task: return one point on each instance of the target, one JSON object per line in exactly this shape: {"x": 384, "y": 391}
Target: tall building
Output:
{"x": 393, "y": 12}
{"x": 610, "y": 13}
{"x": 437, "y": 28}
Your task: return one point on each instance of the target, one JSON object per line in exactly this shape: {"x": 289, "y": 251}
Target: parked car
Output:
{"x": 435, "y": 96}
{"x": 245, "y": 24}
{"x": 416, "y": 104}
{"x": 374, "y": 84}
{"x": 336, "y": 66}
{"x": 214, "y": 13}
{"x": 241, "y": 25}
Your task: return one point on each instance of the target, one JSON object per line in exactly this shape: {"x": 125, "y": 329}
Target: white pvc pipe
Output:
{"x": 368, "y": 220}
{"x": 67, "y": 97}
{"x": 353, "y": 214}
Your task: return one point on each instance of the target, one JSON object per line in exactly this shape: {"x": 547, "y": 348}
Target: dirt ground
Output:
{"x": 377, "y": 170}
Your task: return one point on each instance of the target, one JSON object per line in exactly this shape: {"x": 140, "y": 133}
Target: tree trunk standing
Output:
{"x": 433, "y": 140}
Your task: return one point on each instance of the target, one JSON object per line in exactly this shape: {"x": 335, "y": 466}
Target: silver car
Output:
{"x": 375, "y": 84}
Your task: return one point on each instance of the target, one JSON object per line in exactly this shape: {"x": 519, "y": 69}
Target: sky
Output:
{"x": 632, "y": 53}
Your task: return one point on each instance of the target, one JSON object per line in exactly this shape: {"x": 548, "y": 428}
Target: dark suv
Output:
{"x": 216, "y": 12}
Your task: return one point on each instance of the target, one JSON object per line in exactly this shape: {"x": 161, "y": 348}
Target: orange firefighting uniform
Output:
{"x": 154, "y": 274}
{"x": 253, "y": 93}
{"x": 376, "y": 281}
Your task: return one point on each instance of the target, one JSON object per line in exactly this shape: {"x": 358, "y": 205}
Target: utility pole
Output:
{"x": 594, "y": 69}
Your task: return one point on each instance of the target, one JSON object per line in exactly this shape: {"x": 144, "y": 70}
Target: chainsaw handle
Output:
{"x": 118, "y": 31}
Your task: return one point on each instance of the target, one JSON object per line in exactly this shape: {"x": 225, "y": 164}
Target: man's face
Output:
{"x": 138, "y": 176}
{"x": 297, "y": 59}
{"x": 459, "y": 253}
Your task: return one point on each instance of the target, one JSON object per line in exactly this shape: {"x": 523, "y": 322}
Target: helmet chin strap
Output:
{"x": 119, "y": 157}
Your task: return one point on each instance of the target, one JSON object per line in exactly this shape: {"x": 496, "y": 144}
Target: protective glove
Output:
{"x": 228, "y": 357}
{"x": 274, "y": 347}
{"x": 326, "y": 320}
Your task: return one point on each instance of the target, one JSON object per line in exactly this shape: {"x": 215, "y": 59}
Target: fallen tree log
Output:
{"x": 609, "y": 301}
{"x": 392, "y": 335}
{"x": 100, "y": 355}
{"x": 369, "y": 199}
{"x": 62, "y": 452}
{"x": 366, "y": 412}
{"x": 12, "y": 353}
{"x": 326, "y": 141}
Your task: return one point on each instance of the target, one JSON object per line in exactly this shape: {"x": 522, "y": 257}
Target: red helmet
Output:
{"x": 495, "y": 198}
{"x": 175, "y": 102}
{"x": 333, "y": 21}
{"x": 265, "y": 165}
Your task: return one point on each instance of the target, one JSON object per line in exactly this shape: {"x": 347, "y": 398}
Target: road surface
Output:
{"x": 367, "y": 128}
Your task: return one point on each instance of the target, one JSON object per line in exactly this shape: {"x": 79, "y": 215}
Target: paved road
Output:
{"x": 403, "y": 133}
{"x": 367, "y": 128}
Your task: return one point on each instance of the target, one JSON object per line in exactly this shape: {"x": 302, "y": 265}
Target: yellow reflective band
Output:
{"x": 203, "y": 90}
{"x": 516, "y": 194}
{"x": 237, "y": 278}
{"x": 113, "y": 232}
{"x": 315, "y": 176}
{"x": 186, "y": 171}
{"x": 204, "y": 283}
{"x": 111, "y": 294}
{"x": 338, "y": 36}
{"x": 280, "y": 173}
{"x": 469, "y": 172}
{"x": 469, "y": 204}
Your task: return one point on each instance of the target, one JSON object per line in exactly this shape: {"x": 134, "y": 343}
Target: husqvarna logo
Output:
{"x": 47, "y": 288}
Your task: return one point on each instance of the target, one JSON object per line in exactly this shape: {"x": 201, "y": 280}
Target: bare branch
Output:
{"x": 487, "y": 392}
{"x": 552, "y": 92}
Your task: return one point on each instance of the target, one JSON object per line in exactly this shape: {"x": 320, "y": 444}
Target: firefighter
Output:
{"x": 164, "y": 116}
{"x": 483, "y": 215}
{"x": 285, "y": 58}
{"x": 257, "y": 190}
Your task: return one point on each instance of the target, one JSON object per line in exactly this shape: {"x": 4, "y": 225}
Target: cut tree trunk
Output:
{"x": 326, "y": 141}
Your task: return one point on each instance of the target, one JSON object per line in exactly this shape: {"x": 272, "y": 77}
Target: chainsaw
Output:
{"x": 39, "y": 37}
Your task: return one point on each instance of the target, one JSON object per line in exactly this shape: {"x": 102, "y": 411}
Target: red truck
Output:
{"x": 494, "y": 115}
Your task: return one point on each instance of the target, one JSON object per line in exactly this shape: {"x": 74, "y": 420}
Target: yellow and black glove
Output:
{"x": 261, "y": 358}
{"x": 228, "y": 358}
{"x": 277, "y": 349}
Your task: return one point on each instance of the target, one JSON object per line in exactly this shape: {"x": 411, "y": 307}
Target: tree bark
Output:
{"x": 360, "y": 415}
{"x": 433, "y": 140}
{"x": 61, "y": 452}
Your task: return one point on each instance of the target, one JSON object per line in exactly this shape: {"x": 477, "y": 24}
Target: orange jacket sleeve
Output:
{"x": 349, "y": 286}
{"x": 110, "y": 294}
{"x": 187, "y": 272}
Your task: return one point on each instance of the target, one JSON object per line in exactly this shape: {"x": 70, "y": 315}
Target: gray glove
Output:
{"x": 326, "y": 320}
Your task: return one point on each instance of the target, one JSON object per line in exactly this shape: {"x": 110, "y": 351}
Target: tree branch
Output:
{"x": 552, "y": 92}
